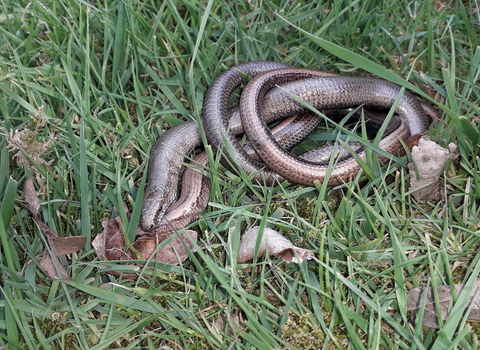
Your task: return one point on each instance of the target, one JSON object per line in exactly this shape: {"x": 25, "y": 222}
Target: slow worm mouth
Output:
{"x": 152, "y": 213}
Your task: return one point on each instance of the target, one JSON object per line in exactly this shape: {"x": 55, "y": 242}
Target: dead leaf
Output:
{"x": 66, "y": 245}
{"x": 59, "y": 246}
{"x": 272, "y": 243}
{"x": 53, "y": 267}
{"x": 416, "y": 296}
{"x": 110, "y": 245}
{"x": 98, "y": 245}
{"x": 428, "y": 160}
{"x": 173, "y": 253}
{"x": 31, "y": 198}
{"x": 114, "y": 240}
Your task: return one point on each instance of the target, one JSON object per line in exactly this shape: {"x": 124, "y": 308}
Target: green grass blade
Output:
{"x": 120, "y": 39}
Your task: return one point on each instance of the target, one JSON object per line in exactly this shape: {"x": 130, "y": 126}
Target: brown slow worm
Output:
{"x": 325, "y": 93}
{"x": 168, "y": 153}
{"x": 218, "y": 127}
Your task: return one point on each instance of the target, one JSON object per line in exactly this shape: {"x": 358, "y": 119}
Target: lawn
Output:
{"x": 88, "y": 86}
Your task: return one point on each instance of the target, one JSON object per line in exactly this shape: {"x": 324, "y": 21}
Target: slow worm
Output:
{"x": 326, "y": 93}
{"x": 262, "y": 102}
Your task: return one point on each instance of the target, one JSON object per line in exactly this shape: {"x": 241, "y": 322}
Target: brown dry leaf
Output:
{"x": 53, "y": 267}
{"x": 429, "y": 160}
{"x": 272, "y": 243}
{"x": 415, "y": 300}
{"x": 114, "y": 240}
{"x": 59, "y": 246}
{"x": 31, "y": 198}
{"x": 173, "y": 253}
{"x": 98, "y": 244}
{"x": 66, "y": 245}
{"x": 110, "y": 245}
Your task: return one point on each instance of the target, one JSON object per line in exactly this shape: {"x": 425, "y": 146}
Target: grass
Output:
{"x": 100, "y": 81}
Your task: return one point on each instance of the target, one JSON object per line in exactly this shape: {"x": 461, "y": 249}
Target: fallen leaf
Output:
{"x": 98, "y": 245}
{"x": 53, "y": 267}
{"x": 416, "y": 296}
{"x": 173, "y": 253}
{"x": 429, "y": 160}
{"x": 110, "y": 245}
{"x": 114, "y": 240}
{"x": 59, "y": 246}
{"x": 66, "y": 245}
{"x": 31, "y": 198}
{"x": 272, "y": 243}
